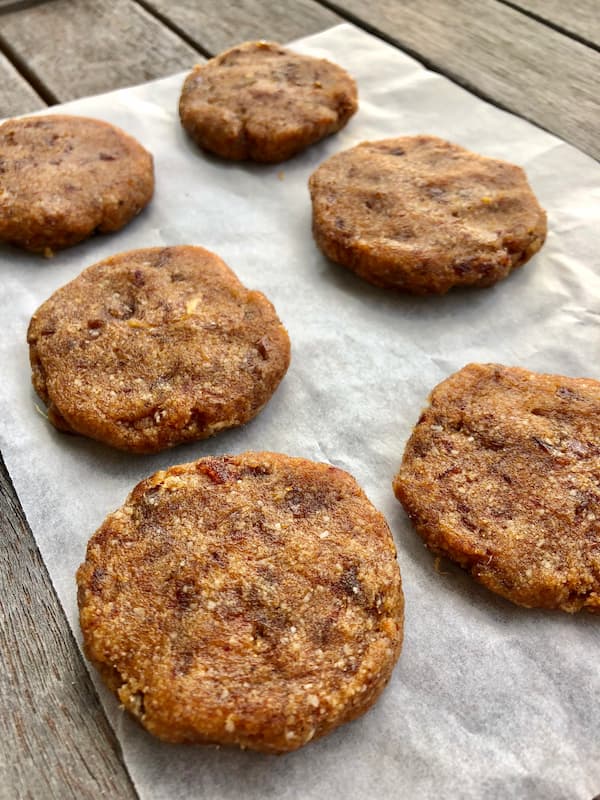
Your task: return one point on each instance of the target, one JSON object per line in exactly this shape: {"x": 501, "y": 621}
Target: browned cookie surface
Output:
{"x": 62, "y": 178}
{"x": 262, "y": 102}
{"x": 252, "y": 600}
{"x": 502, "y": 474}
{"x": 155, "y": 347}
{"x": 423, "y": 215}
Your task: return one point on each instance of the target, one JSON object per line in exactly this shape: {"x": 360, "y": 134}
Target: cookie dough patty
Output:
{"x": 251, "y": 600}
{"x": 423, "y": 215}
{"x": 62, "y": 178}
{"x": 502, "y": 474}
{"x": 262, "y": 102}
{"x": 155, "y": 347}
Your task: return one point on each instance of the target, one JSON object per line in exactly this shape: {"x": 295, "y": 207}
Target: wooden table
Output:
{"x": 536, "y": 58}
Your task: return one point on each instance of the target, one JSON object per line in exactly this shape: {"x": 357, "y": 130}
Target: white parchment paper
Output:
{"x": 488, "y": 700}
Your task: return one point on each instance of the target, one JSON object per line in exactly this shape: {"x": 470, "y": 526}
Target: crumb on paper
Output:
{"x": 437, "y": 565}
{"x": 41, "y": 411}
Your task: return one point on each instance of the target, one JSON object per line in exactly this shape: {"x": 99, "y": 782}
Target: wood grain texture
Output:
{"x": 16, "y": 95}
{"x": 218, "y": 24}
{"x": 580, "y": 17}
{"x": 9, "y": 5}
{"x": 104, "y": 45}
{"x": 501, "y": 54}
{"x": 55, "y": 741}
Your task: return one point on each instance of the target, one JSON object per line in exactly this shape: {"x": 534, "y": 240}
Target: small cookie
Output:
{"x": 250, "y": 600}
{"x": 423, "y": 215}
{"x": 501, "y": 474}
{"x": 261, "y": 102}
{"x": 155, "y": 347}
{"x": 62, "y": 178}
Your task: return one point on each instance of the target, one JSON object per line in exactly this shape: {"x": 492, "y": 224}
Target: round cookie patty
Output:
{"x": 502, "y": 475}
{"x": 252, "y": 600}
{"x": 262, "y": 102}
{"x": 62, "y": 178}
{"x": 155, "y": 347}
{"x": 423, "y": 215}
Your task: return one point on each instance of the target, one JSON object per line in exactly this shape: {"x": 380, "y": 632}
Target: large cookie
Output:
{"x": 502, "y": 475}
{"x": 251, "y": 600}
{"x": 155, "y": 347}
{"x": 423, "y": 215}
{"x": 262, "y": 102}
{"x": 63, "y": 178}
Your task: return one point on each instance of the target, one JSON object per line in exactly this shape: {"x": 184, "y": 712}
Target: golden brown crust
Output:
{"x": 261, "y": 102}
{"x": 420, "y": 214}
{"x": 155, "y": 347}
{"x": 62, "y": 178}
{"x": 252, "y": 600}
{"x": 502, "y": 474}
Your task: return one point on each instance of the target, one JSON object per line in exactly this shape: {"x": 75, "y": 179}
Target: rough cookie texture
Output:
{"x": 155, "y": 347}
{"x": 63, "y": 178}
{"x": 262, "y": 102}
{"x": 251, "y": 600}
{"x": 423, "y": 215}
{"x": 502, "y": 474}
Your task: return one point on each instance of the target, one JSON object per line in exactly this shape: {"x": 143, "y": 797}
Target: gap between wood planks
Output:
{"x": 101, "y": 61}
{"x": 585, "y": 142}
{"x": 26, "y": 73}
{"x": 549, "y": 23}
{"x": 15, "y": 59}
{"x": 18, "y": 5}
{"x": 48, "y": 95}
{"x": 172, "y": 26}
{"x": 428, "y": 63}
{"x": 52, "y": 723}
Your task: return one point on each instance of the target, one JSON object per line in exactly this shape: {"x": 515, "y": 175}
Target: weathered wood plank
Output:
{"x": 104, "y": 44}
{"x": 16, "y": 95}
{"x": 580, "y": 17}
{"x": 12, "y": 4}
{"x": 55, "y": 741}
{"x": 500, "y": 53}
{"x": 217, "y": 24}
